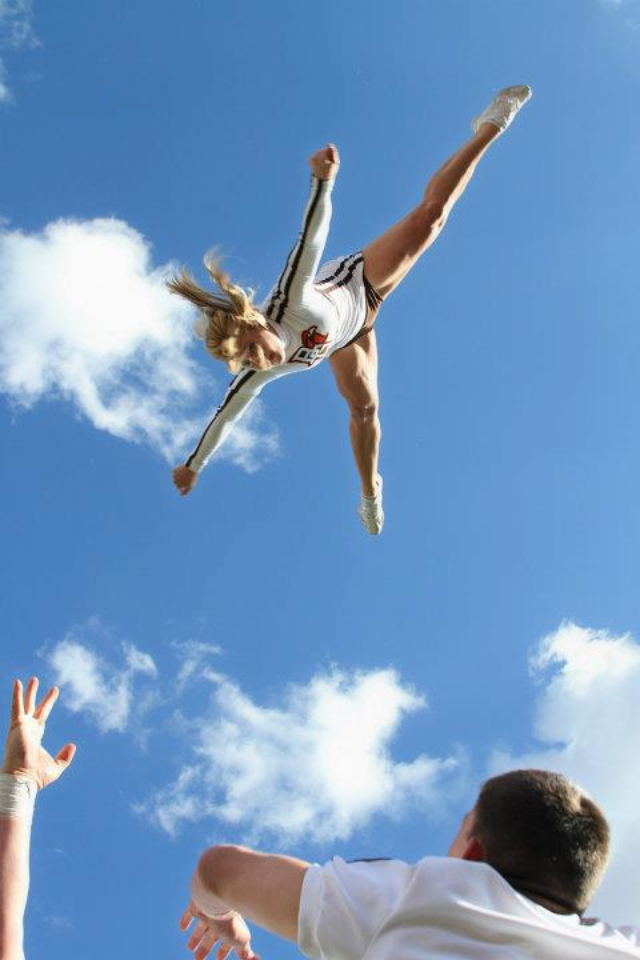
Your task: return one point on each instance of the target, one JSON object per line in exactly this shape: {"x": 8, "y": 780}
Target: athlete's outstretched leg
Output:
{"x": 355, "y": 368}
{"x": 389, "y": 258}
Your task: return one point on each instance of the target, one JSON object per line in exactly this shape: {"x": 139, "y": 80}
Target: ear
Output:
{"x": 474, "y": 850}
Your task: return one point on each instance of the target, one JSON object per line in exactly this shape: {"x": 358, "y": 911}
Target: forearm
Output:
{"x": 314, "y": 233}
{"x": 14, "y": 885}
{"x": 228, "y": 414}
{"x": 15, "y": 831}
{"x": 265, "y": 888}
{"x": 302, "y": 263}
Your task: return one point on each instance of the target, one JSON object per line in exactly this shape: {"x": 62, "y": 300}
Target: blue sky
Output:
{"x": 256, "y": 613}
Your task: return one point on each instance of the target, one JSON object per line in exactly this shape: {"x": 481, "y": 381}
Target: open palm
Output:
{"x": 24, "y": 754}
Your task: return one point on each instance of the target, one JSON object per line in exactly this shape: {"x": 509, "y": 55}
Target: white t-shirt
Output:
{"x": 441, "y": 907}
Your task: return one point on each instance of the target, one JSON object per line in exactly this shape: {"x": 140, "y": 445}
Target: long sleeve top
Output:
{"x": 314, "y": 313}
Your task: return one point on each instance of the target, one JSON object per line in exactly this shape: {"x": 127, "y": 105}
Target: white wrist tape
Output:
{"x": 207, "y": 902}
{"x": 17, "y": 796}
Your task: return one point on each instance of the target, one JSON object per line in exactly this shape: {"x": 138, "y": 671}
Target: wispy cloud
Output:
{"x": 628, "y": 10}
{"x": 85, "y": 316}
{"x": 16, "y": 31}
{"x": 587, "y": 722}
{"x": 105, "y": 693}
{"x": 317, "y": 765}
{"x": 195, "y": 657}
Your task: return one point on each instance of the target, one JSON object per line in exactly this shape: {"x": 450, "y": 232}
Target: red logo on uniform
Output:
{"x": 314, "y": 347}
{"x": 311, "y": 338}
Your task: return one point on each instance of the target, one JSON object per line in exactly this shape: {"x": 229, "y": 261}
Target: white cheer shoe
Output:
{"x": 370, "y": 510}
{"x": 503, "y": 108}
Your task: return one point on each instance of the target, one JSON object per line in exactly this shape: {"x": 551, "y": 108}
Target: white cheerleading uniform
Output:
{"x": 441, "y": 907}
{"x": 315, "y": 312}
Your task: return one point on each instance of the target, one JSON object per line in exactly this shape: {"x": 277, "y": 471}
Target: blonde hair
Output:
{"x": 226, "y": 318}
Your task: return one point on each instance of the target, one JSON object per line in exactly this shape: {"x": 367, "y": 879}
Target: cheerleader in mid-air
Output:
{"x": 328, "y": 313}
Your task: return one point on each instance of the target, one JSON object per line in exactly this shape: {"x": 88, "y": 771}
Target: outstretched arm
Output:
{"x": 244, "y": 389}
{"x": 302, "y": 262}
{"x": 27, "y": 768}
{"x": 230, "y": 881}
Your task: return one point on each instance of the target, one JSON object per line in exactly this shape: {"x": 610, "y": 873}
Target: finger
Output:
{"x": 45, "y": 706}
{"x": 17, "y": 707}
{"x": 223, "y": 951}
{"x": 30, "y": 696}
{"x": 64, "y": 756}
{"x": 185, "y": 919}
{"x": 246, "y": 953}
{"x": 206, "y": 945}
{"x": 198, "y": 933}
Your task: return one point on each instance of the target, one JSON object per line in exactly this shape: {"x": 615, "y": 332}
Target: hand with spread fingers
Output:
{"x": 229, "y": 931}
{"x": 24, "y": 754}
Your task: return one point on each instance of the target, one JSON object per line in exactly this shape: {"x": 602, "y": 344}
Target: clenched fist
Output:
{"x": 325, "y": 163}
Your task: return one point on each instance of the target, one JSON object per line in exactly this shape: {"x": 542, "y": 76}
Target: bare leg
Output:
{"x": 390, "y": 257}
{"x": 356, "y": 371}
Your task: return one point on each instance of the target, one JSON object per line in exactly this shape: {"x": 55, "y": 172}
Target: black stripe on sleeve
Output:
{"x": 233, "y": 390}
{"x": 298, "y": 249}
{"x": 278, "y": 288}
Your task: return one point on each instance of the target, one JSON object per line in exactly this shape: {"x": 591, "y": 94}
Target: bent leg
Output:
{"x": 388, "y": 259}
{"x": 355, "y": 368}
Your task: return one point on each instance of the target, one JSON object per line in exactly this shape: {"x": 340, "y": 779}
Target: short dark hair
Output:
{"x": 544, "y": 834}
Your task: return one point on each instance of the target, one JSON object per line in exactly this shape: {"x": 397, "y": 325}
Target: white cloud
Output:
{"x": 316, "y": 766}
{"x": 15, "y": 31}
{"x": 587, "y": 720}
{"x": 253, "y": 441}
{"x": 16, "y": 23}
{"x": 5, "y": 93}
{"x": 85, "y": 315}
{"x": 195, "y": 659}
{"x": 628, "y": 9}
{"x": 105, "y": 693}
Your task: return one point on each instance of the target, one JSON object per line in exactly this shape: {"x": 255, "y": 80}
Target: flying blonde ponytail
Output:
{"x": 225, "y": 318}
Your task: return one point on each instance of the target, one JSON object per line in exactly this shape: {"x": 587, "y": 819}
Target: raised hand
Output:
{"x": 23, "y": 752}
{"x": 230, "y": 931}
{"x": 184, "y": 479}
{"x": 325, "y": 163}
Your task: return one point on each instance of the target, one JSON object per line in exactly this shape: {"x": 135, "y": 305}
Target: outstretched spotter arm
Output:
{"x": 27, "y": 768}
{"x": 231, "y": 881}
